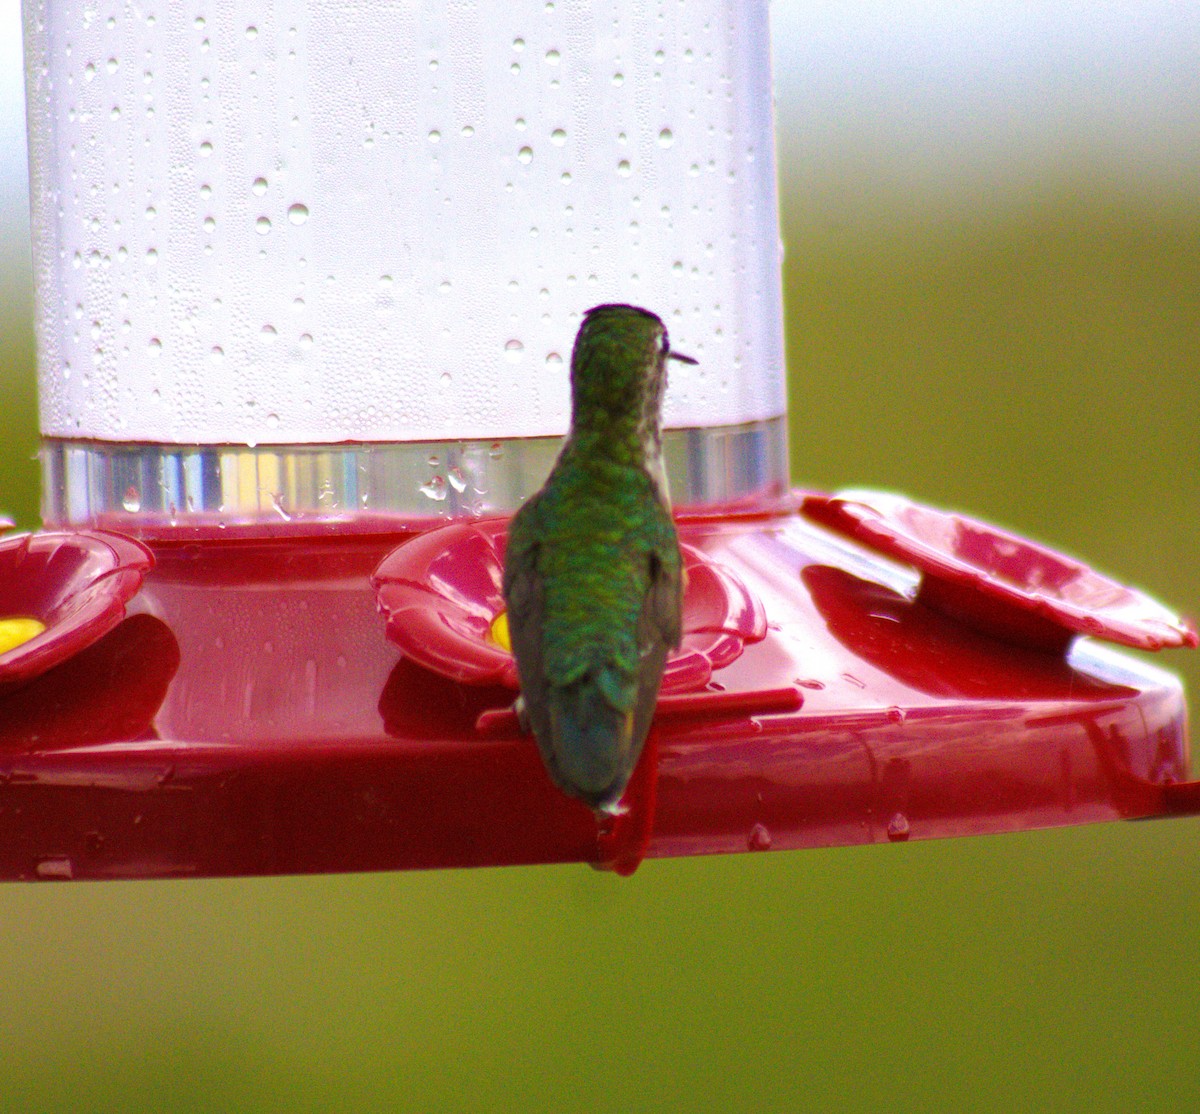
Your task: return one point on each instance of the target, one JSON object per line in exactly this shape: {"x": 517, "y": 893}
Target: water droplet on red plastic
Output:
{"x": 897, "y": 829}
{"x": 759, "y": 838}
{"x": 56, "y": 868}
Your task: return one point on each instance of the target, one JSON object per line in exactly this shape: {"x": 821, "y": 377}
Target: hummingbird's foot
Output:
{"x": 522, "y": 714}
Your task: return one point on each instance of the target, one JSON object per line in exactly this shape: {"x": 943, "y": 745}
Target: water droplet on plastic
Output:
{"x": 259, "y": 187}
{"x": 514, "y": 350}
{"x": 457, "y": 481}
{"x": 272, "y": 421}
{"x": 666, "y": 137}
{"x": 206, "y": 149}
{"x": 55, "y": 868}
{"x": 216, "y": 354}
{"x": 759, "y": 838}
{"x": 262, "y": 226}
{"x": 435, "y": 489}
{"x": 623, "y": 168}
{"x": 298, "y": 213}
{"x": 518, "y": 45}
{"x": 896, "y": 715}
{"x": 154, "y": 347}
{"x": 495, "y": 450}
{"x": 553, "y": 359}
{"x": 552, "y": 57}
{"x": 132, "y": 500}
{"x": 525, "y": 155}
{"x": 435, "y": 136}
{"x": 198, "y": 23}
{"x": 444, "y": 287}
{"x": 209, "y": 224}
{"x": 467, "y": 131}
{"x": 618, "y": 79}
{"x": 897, "y": 829}
{"x": 558, "y": 137}
{"x": 252, "y": 32}
{"x": 268, "y": 332}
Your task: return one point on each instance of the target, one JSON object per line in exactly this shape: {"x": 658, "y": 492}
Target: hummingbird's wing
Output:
{"x": 664, "y": 598}
{"x": 590, "y": 711}
{"x": 574, "y": 724}
{"x": 525, "y": 601}
{"x": 660, "y": 629}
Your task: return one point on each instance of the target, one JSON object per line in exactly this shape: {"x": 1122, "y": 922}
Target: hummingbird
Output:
{"x": 593, "y": 577}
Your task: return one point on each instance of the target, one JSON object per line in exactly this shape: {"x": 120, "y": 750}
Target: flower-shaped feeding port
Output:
{"x": 61, "y": 592}
{"x": 997, "y": 582}
{"x": 441, "y": 595}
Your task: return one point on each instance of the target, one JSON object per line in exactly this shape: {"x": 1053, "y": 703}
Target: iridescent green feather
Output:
{"x": 593, "y": 575}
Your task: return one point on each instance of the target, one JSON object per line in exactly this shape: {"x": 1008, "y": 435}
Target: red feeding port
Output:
{"x": 441, "y": 594}
{"x": 76, "y": 584}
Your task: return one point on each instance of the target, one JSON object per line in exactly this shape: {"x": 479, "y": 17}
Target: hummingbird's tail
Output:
{"x": 593, "y": 751}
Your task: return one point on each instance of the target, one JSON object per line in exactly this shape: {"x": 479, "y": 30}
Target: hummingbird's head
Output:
{"x": 618, "y": 367}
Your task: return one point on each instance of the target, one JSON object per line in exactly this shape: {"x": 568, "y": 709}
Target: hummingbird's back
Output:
{"x": 593, "y": 583}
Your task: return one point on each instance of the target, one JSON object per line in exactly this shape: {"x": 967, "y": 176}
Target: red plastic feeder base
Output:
{"x": 251, "y": 715}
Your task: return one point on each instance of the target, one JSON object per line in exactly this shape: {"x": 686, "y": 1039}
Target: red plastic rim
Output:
{"x": 441, "y": 591}
{"x": 77, "y": 584}
{"x": 997, "y": 581}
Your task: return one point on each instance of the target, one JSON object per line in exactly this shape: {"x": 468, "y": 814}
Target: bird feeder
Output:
{"x": 307, "y": 279}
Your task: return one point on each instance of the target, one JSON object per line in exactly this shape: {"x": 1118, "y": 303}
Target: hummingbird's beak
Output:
{"x": 673, "y": 355}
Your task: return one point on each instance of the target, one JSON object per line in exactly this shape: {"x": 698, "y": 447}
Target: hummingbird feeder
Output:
{"x": 307, "y": 278}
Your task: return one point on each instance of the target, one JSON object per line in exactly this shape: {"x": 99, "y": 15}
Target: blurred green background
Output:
{"x": 1018, "y": 340}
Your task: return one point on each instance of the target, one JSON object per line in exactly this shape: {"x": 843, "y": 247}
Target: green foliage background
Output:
{"x": 1029, "y": 355}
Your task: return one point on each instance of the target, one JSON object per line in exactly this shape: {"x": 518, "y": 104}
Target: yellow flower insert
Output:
{"x": 499, "y": 632}
{"x": 15, "y": 631}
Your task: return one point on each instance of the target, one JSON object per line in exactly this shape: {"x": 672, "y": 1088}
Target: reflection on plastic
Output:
{"x": 933, "y": 654}
{"x": 108, "y": 692}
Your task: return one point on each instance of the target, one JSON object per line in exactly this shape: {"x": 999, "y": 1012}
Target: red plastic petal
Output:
{"x": 77, "y": 584}
{"x": 441, "y": 591}
{"x": 998, "y": 582}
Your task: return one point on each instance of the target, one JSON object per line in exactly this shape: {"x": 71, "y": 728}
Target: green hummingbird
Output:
{"x": 593, "y": 577}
